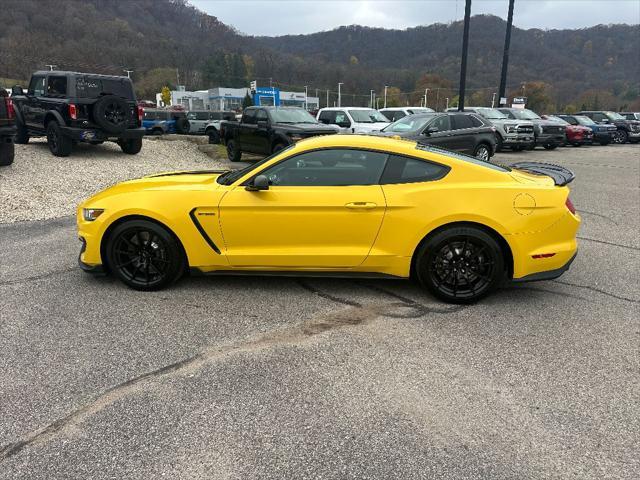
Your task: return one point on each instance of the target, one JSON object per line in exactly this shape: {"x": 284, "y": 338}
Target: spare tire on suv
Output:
{"x": 111, "y": 113}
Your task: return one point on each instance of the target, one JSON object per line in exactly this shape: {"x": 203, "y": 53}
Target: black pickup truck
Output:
{"x": 71, "y": 107}
{"x": 7, "y": 129}
{"x": 266, "y": 130}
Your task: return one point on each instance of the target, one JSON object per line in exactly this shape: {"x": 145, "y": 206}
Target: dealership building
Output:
{"x": 231, "y": 98}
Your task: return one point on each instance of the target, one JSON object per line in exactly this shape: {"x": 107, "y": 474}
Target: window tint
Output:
{"x": 261, "y": 116}
{"x": 599, "y": 117}
{"x": 441, "y": 123}
{"x": 461, "y": 121}
{"x": 327, "y": 117}
{"x": 411, "y": 170}
{"x": 335, "y": 167}
{"x": 56, "y": 85}
{"x": 91, "y": 87}
{"x": 191, "y": 116}
{"x": 475, "y": 121}
{"x": 394, "y": 115}
{"x": 36, "y": 87}
{"x": 342, "y": 119}
{"x": 249, "y": 116}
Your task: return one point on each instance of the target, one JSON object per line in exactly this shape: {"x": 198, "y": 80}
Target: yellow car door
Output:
{"x": 321, "y": 209}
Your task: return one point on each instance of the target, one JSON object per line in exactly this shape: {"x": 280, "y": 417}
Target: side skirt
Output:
{"x": 196, "y": 272}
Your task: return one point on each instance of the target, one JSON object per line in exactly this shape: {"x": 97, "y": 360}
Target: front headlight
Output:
{"x": 90, "y": 214}
{"x": 510, "y": 128}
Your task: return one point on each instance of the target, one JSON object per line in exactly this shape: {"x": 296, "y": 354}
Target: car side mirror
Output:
{"x": 17, "y": 90}
{"x": 344, "y": 124}
{"x": 261, "y": 182}
{"x": 263, "y": 124}
{"x": 430, "y": 130}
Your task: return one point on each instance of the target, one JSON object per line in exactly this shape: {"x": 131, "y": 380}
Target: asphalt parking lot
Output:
{"x": 237, "y": 378}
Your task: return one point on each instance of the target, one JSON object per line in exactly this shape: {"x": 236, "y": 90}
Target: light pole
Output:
{"x": 493, "y": 99}
{"x": 51, "y": 67}
{"x": 129, "y": 72}
{"x": 339, "y": 94}
{"x": 385, "y": 95}
{"x": 371, "y": 98}
{"x": 305, "y": 97}
{"x": 465, "y": 51}
{"x": 426, "y": 92}
{"x": 447, "y": 107}
{"x": 327, "y": 98}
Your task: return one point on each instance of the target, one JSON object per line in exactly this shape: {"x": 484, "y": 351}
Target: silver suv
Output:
{"x": 513, "y": 134}
{"x": 207, "y": 122}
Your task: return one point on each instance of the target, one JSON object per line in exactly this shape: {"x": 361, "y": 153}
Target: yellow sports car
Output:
{"x": 340, "y": 205}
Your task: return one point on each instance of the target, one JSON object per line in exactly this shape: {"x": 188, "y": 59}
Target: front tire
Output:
{"x": 144, "y": 255}
{"x": 233, "y": 152}
{"x": 131, "y": 146}
{"x": 59, "y": 144}
{"x": 621, "y": 137}
{"x": 460, "y": 265}
{"x": 214, "y": 136}
{"x": 483, "y": 152}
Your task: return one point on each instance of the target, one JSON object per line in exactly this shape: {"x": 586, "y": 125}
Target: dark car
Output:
{"x": 576, "y": 135}
{"x": 631, "y": 115}
{"x": 266, "y": 130}
{"x": 602, "y": 134}
{"x": 71, "y": 107}
{"x": 626, "y": 130}
{"x": 547, "y": 133}
{"x": 458, "y": 131}
{"x": 7, "y": 129}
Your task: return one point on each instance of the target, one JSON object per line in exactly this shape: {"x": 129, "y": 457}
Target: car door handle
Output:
{"x": 361, "y": 205}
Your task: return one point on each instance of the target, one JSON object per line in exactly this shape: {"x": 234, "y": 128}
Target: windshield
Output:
{"x": 227, "y": 178}
{"x": 525, "y": 114}
{"x": 491, "y": 113}
{"x": 412, "y": 123}
{"x": 614, "y": 116}
{"x": 553, "y": 118}
{"x": 582, "y": 120}
{"x": 291, "y": 115}
{"x": 368, "y": 116}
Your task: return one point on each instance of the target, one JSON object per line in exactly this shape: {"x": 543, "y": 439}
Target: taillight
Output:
{"x": 140, "y": 113}
{"x": 570, "y": 206}
{"x": 10, "y": 111}
{"x": 73, "y": 111}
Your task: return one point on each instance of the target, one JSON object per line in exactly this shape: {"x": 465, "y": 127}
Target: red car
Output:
{"x": 576, "y": 134}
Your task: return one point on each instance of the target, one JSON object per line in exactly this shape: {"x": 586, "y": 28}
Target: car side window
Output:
{"x": 327, "y": 117}
{"x": 56, "y": 85}
{"x": 249, "y": 116}
{"x": 36, "y": 87}
{"x": 261, "y": 116}
{"x": 401, "y": 169}
{"x": 475, "y": 121}
{"x": 342, "y": 119}
{"x": 441, "y": 123}
{"x": 599, "y": 117}
{"x": 394, "y": 115}
{"x": 331, "y": 167}
{"x": 571, "y": 120}
{"x": 461, "y": 121}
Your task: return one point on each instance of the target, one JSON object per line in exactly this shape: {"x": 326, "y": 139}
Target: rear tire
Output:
{"x": 214, "y": 136}
{"x": 144, "y": 255}
{"x": 22, "y": 135}
{"x": 59, "y": 144}
{"x": 460, "y": 264}
{"x": 233, "y": 153}
{"x": 7, "y": 153}
{"x": 483, "y": 152}
{"x": 131, "y": 146}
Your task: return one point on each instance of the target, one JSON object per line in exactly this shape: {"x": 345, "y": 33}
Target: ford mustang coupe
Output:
{"x": 340, "y": 205}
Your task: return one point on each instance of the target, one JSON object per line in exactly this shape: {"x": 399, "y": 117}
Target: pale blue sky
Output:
{"x": 281, "y": 17}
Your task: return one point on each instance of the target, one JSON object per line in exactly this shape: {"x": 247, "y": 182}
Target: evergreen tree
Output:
{"x": 247, "y": 101}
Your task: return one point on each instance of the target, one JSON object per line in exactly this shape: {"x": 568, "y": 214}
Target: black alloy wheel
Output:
{"x": 144, "y": 255}
{"x": 460, "y": 265}
{"x": 233, "y": 153}
{"x": 58, "y": 144}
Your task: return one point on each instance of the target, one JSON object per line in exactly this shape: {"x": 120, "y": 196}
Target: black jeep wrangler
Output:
{"x": 70, "y": 107}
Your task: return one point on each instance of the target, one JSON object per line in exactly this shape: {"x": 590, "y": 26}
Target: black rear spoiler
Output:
{"x": 561, "y": 176}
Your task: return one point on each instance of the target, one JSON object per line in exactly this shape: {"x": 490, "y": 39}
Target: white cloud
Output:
{"x": 281, "y": 17}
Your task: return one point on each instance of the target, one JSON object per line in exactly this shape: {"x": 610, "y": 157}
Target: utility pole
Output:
{"x": 505, "y": 56}
{"x": 493, "y": 99}
{"x": 339, "y": 95}
{"x": 426, "y": 92}
{"x": 129, "y": 72}
{"x": 327, "y": 98}
{"x": 51, "y": 67}
{"x": 465, "y": 52}
{"x": 371, "y": 98}
{"x": 385, "y": 95}
{"x": 305, "y": 97}
{"x": 437, "y": 98}
{"x": 447, "y": 107}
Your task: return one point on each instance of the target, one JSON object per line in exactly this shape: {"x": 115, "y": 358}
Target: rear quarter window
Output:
{"x": 401, "y": 169}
